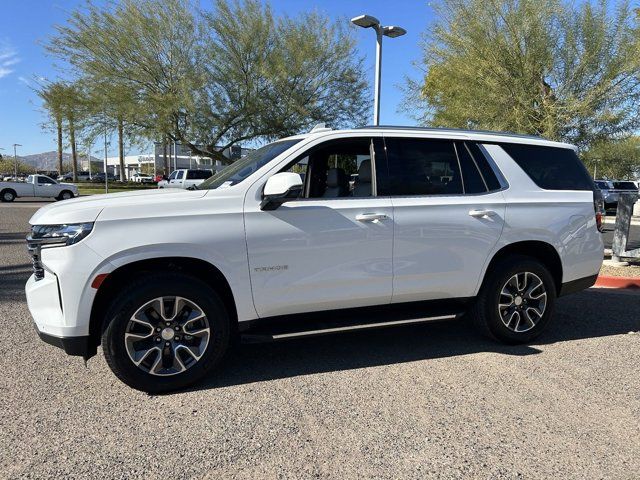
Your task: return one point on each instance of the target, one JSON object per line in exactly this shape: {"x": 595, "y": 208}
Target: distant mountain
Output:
{"x": 49, "y": 160}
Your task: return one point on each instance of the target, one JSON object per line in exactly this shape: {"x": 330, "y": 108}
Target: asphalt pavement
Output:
{"x": 428, "y": 401}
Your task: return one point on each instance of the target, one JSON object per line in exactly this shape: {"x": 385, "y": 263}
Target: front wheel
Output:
{"x": 516, "y": 302}
{"x": 165, "y": 332}
{"x": 65, "y": 195}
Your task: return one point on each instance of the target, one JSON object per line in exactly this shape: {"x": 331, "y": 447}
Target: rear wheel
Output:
{"x": 516, "y": 302}
{"x": 165, "y": 332}
{"x": 8, "y": 195}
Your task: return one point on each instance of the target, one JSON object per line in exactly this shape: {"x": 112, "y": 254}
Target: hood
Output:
{"x": 86, "y": 209}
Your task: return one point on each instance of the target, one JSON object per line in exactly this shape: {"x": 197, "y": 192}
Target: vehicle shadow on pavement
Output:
{"x": 578, "y": 316}
{"x": 12, "y": 238}
{"x": 12, "y": 281}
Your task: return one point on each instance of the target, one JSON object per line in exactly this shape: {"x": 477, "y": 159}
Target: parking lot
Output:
{"x": 428, "y": 401}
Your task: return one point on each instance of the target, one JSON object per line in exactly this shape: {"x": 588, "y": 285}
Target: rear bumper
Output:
{"x": 77, "y": 346}
{"x": 578, "y": 285}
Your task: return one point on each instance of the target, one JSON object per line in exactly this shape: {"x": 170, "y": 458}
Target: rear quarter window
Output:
{"x": 551, "y": 168}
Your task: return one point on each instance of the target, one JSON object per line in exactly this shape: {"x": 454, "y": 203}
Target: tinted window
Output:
{"x": 422, "y": 167}
{"x": 624, "y": 186}
{"x": 173, "y": 175}
{"x": 179, "y": 175}
{"x": 482, "y": 163}
{"x": 471, "y": 178}
{"x": 551, "y": 168}
{"x": 602, "y": 185}
{"x": 198, "y": 174}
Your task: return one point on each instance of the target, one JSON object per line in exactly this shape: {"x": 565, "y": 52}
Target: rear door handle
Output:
{"x": 482, "y": 213}
{"x": 370, "y": 217}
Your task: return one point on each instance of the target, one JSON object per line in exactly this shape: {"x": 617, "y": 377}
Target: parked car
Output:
{"x": 438, "y": 224}
{"x": 609, "y": 196}
{"x": 37, "y": 186}
{"x": 185, "y": 178}
{"x": 82, "y": 176}
{"x": 99, "y": 177}
{"x": 142, "y": 178}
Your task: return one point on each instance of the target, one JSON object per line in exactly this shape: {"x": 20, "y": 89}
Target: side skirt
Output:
{"x": 335, "y": 321}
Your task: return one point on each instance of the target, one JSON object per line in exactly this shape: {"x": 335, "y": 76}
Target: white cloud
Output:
{"x": 8, "y": 58}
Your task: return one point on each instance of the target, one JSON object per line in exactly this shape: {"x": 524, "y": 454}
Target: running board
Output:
{"x": 264, "y": 337}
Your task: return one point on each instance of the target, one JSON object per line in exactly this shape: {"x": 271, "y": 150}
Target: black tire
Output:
{"x": 485, "y": 312}
{"x": 65, "y": 193}
{"x": 7, "y": 195}
{"x": 135, "y": 295}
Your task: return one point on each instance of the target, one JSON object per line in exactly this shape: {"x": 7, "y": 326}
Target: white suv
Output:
{"x": 355, "y": 228}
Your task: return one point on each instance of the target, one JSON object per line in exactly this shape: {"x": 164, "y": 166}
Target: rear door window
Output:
{"x": 419, "y": 166}
{"x": 551, "y": 168}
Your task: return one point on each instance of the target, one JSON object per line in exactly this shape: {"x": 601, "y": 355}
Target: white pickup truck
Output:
{"x": 185, "y": 178}
{"x": 37, "y": 186}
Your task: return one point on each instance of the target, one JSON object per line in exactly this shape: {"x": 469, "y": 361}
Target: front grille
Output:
{"x": 34, "y": 246}
{"x": 38, "y": 269}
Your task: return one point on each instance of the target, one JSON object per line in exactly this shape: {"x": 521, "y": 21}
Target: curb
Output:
{"x": 605, "y": 281}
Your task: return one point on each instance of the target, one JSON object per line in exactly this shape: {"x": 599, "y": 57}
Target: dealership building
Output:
{"x": 177, "y": 156}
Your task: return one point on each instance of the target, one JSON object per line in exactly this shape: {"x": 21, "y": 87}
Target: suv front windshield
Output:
{"x": 241, "y": 169}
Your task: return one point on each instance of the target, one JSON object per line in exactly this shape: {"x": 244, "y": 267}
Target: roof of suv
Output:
{"x": 480, "y": 135}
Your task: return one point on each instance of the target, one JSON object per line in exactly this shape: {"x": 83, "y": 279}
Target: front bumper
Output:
{"x": 59, "y": 295}
{"x": 76, "y": 346}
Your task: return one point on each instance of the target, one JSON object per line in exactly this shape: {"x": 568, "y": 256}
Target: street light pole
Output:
{"x": 367, "y": 21}
{"x": 15, "y": 159}
{"x": 106, "y": 178}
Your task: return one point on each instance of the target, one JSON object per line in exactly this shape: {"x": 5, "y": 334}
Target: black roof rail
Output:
{"x": 443, "y": 129}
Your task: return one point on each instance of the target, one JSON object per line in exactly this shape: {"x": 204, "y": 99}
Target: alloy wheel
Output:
{"x": 522, "y": 303}
{"x": 167, "y": 335}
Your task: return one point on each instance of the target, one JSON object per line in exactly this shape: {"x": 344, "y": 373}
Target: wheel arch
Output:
{"x": 62, "y": 192}
{"x": 542, "y": 251}
{"x": 195, "y": 267}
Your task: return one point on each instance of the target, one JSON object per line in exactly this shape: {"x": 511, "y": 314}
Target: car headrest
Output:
{"x": 335, "y": 177}
{"x": 364, "y": 172}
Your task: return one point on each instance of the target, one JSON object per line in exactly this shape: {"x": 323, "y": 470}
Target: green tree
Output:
{"x": 211, "y": 79}
{"x": 614, "y": 159}
{"x": 561, "y": 70}
{"x": 53, "y": 97}
{"x": 111, "y": 106}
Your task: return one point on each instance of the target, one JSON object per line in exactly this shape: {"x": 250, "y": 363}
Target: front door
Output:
{"x": 45, "y": 187}
{"x": 332, "y": 247}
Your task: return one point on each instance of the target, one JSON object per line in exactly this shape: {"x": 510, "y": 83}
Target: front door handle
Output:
{"x": 482, "y": 213}
{"x": 370, "y": 217}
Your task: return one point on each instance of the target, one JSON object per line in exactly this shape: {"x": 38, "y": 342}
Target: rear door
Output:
{"x": 449, "y": 213}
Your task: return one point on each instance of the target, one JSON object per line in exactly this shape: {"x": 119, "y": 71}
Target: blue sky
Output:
{"x": 28, "y": 23}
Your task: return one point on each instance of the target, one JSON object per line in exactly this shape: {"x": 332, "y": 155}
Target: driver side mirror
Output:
{"x": 279, "y": 188}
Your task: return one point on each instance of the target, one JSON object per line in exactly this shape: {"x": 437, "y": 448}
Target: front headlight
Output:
{"x": 67, "y": 234}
